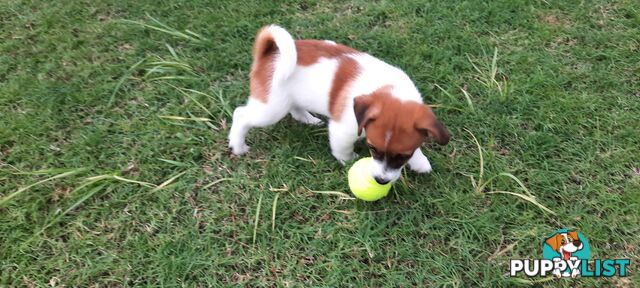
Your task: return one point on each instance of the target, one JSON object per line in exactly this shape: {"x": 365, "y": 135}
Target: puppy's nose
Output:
{"x": 577, "y": 242}
{"x": 381, "y": 180}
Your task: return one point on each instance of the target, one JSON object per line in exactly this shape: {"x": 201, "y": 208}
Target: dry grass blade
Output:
{"x": 182, "y": 91}
{"x": 335, "y": 193}
{"x": 206, "y": 121}
{"x": 197, "y": 36}
{"x": 225, "y": 105}
{"x": 542, "y": 280}
{"x": 175, "y": 64}
{"x": 489, "y": 78}
{"x": 122, "y": 179}
{"x": 519, "y": 183}
{"x": 532, "y": 200}
{"x": 302, "y": 159}
{"x": 172, "y": 51}
{"x": 255, "y": 223}
{"x": 76, "y": 204}
{"x": 502, "y": 87}
{"x": 199, "y": 119}
{"x": 169, "y": 181}
{"x": 445, "y": 92}
{"x": 168, "y": 30}
{"x": 480, "y": 185}
{"x": 477, "y": 184}
{"x": 83, "y": 198}
{"x": 6, "y": 199}
{"x": 194, "y": 33}
{"x": 478, "y": 78}
{"x": 221, "y": 101}
{"x": 494, "y": 66}
{"x": 502, "y": 251}
{"x": 173, "y": 69}
{"x": 483, "y": 185}
{"x": 273, "y": 212}
{"x": 175, "y": 163}
{"x": 171, "y": 78}
{"x": 285, "y": 188}
{"x": 122, "y": 79}
{"x": 468, "y": 98}
{"x": 39, "y": 172}
{"x": 147, "y": 184}
{"x": 466, "y": 95}
{"x": 216, "y": 182}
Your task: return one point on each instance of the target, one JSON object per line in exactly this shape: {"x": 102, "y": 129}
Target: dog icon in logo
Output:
{"x": 565, "y": 244}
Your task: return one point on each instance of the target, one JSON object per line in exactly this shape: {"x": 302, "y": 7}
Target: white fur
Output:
{"x": 419, "y": 162}
{"x": 569, "y": 247}
{"x": 287, "y": 57}
{"x": 309, "y": 86}
{"x": 380, "y": 171}
{"x": 299, "y": 90}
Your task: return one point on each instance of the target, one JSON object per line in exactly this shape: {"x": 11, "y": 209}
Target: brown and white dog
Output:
{"x": 565, "y": 244}
{"x": 361, "y": 95}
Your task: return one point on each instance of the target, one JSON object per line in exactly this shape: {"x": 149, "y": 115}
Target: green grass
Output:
{"x": 124, "y": 106}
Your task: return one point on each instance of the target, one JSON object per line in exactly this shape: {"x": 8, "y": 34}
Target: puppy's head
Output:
{"x": 394, "y": 130}
{"x": 565, "y": 243}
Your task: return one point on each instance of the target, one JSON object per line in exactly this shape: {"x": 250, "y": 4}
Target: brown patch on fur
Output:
{"x": 264, "y": 49}
{"x": 347, "y": 71}
{"x": 396, "y": 127}
{"x": 427, "y": 124}
{"x": 309, "y": 51}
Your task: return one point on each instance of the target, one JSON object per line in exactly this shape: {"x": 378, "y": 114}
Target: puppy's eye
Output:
{"x": 569, "y": 239}
{"x": 562, "y": 241}
{"x": 401, "y": 157}
{"x": 404, "y": 157}
{"x": 375, "y": 153}
{"x": 396, "y": 161}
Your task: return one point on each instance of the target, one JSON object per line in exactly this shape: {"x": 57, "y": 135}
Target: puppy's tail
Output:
{"x": 274, "y": 44}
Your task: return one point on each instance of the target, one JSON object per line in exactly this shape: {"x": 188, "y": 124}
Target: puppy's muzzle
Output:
{"x": 381, "y": 180}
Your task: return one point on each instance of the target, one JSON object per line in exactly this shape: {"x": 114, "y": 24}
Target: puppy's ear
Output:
{"x": 366, "y": 111}
{"x": 427, "y": 124}
{"x": 573, "y": 235}
{"x": 554, "y": 241}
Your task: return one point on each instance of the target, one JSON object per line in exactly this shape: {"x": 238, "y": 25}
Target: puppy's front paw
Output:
{"x": 239, "y": 149}
{"x": 344, "y": 158}
{"x": 315, "y": 122}
{"x": 420, "y": 165}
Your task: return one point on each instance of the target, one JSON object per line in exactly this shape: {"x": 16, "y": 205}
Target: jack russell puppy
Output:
{"x": 361, "y": 95}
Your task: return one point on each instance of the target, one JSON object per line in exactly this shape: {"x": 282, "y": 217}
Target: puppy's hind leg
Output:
{"x": 239, "y": 128}
{"x": 304, "y": 116}
{"x": 254, "y": 114}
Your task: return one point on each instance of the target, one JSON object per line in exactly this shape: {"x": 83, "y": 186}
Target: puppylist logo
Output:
{"x": 566, "y": 254}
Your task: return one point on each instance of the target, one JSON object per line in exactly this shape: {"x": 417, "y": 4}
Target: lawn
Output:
{"x": 114, "y": 169}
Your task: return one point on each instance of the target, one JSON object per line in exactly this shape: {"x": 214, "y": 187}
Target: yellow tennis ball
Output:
{"x": 363, "y": 186}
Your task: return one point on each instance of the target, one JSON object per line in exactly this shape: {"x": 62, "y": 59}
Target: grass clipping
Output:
{"x": 480, "y": 184}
